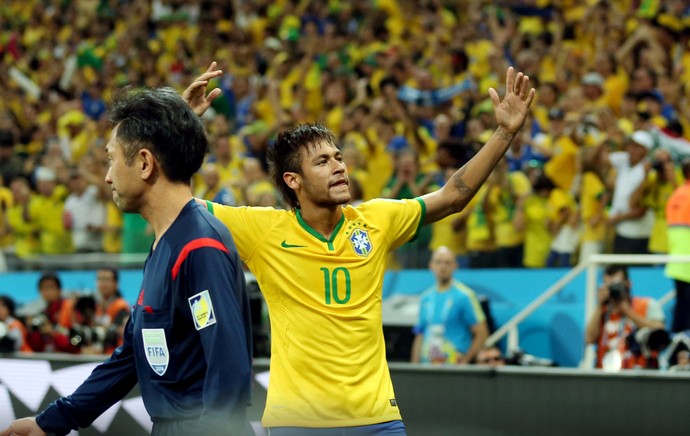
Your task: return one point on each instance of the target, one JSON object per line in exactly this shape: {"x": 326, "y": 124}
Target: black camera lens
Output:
{"x": 617, "y": 290}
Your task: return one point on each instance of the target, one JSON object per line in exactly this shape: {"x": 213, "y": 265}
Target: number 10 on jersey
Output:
{"x": 331, "y": 280}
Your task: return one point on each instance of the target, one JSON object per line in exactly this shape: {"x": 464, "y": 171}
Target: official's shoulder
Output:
{"x": 462, "y": 288}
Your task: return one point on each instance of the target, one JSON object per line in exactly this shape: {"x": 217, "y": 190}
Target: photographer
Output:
{"x": 87, "y": 334}
{"x": 12, "y": 331}
{"x": 617, "y": 316}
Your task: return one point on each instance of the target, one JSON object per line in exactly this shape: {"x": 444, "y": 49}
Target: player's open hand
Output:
{"x": 512, "y": 111}
{"x": 23, "y": 427}
{"x": 195, "y": 94}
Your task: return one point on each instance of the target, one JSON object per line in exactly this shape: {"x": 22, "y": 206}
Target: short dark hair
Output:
{"x": 8, "y": 302}
{"x": 616, "y": 268}
{"x": 685, "y": 166}
{"x": 543, "y": 183}
{"x": 285, "y": 155}
{"x": 160, "y": 120}
{"x": 50, "y": 276}
{"x": 113, "y": 271}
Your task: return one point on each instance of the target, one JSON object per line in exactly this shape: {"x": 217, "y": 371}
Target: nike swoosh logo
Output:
{"x": 284, "y": 244}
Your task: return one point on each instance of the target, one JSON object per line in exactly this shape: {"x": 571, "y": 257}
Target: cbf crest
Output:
{"x": 360, "y": 242}
{"x": 156, "y": 349}
{"x": 202, "y": 310}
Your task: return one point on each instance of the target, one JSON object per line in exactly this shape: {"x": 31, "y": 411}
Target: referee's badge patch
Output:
{"x": 156, "y": 349}
{"x": 202, "y": 310}
{"x": 360, "y": 242}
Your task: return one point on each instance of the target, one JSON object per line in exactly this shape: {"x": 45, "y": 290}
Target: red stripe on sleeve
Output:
{"x": 193, "y": 245}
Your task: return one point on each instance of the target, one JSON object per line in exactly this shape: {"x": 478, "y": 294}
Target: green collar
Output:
{"x": 318, "y": 235}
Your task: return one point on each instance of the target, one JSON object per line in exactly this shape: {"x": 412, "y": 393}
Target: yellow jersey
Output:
{"x": 46, "y": 213}
{"x": 561, "y": 168}
{"x": 328, "y": 355}
{"x": 6, "y": 202}
{"x": 502, "y": 207}
{"x": 112, "y": 236}
{"x": 591, "y": 197}
{"x": 537, "y": 235}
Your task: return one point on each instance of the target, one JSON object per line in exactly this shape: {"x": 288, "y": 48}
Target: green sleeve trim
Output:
{"x": 421, "y": 218}
{"x": 209, "y": 206}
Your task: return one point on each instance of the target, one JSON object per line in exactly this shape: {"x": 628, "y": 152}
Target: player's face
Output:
{"x": 324, "y": 180}
{"x": 123, "y": 179}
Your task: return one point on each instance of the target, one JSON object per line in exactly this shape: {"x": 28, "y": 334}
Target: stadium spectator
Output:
{"x": 46, "y": 213}
{"x": 481, "y": 243}
{"x": 536, "y": 216}
{"x": 617, "y": 317}
{"x": 11, "y": 164}
{"x": 594, "y": 198}
{"x": 24, "y": 231}
{"x": 211, "y": 187}
{"x": 13, "y": 335}
{"x": 663, "y": 178}
{"x": 6, "y": 203}
{"x": 451, "y": 231}
{"x": 560, "y": 166}
{"x": 84, "y": 213}
{"x": 505, "y": 190}
{"x": 113, "y": 310}
{"x": 227, "y": 163}
{"x": 48, "y": 317}
{"x": 409, "y": 182}
{"x": 451, "y": 327}
{"x": 628, "y": 214}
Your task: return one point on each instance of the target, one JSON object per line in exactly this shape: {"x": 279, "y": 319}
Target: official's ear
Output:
{"x": 146, "y": 163}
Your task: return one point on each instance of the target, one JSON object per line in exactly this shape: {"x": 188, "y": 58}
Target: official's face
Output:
{"x": 443, "y": 264}
{"x": 123, "y": 178}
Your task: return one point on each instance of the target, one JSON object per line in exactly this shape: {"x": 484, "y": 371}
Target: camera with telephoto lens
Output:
{"x": 82, "y": 335}
{"x": 6, "y": 342}
{"x": 617, "y": 290}
{"x": 519, "y": 358}
{"x": 38, "y": 322}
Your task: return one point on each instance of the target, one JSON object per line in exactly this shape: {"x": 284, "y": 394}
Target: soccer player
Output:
{"x": 320, "y": 266}
{"x": 187, "y": 342}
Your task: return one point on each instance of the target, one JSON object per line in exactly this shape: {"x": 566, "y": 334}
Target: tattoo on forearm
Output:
{"x": 463, "y": 189}
{"x": 504, "y": 135}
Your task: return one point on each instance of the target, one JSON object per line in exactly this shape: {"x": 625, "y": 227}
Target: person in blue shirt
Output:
{"x": 188, "y": 341}
{"x": 452, "y": 326}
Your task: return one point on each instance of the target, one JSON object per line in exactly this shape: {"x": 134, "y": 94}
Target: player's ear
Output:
{"x": 293, "y": 180}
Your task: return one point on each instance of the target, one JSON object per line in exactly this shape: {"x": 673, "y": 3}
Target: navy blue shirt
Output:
{"x": 188, "y": 341}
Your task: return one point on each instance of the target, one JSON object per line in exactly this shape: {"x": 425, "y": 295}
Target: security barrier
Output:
{"x": 469, "y": 400}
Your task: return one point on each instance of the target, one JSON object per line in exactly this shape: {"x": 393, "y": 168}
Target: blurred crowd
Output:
{"x": 403, "y": 84}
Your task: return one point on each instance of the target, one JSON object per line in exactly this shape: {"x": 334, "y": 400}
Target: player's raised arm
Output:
{"x": 195, "y": 94}
{"x": 511, "y": 113}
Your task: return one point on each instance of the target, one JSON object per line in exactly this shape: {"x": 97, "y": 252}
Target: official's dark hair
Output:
{"x": 616, "y": 268}
{"x": 160, "y": 120}
{"x": 285, "y": 155}
{"x": 50, "y": 276}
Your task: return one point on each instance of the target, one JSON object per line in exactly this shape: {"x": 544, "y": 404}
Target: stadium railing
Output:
{"x": 510, "y": 328}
